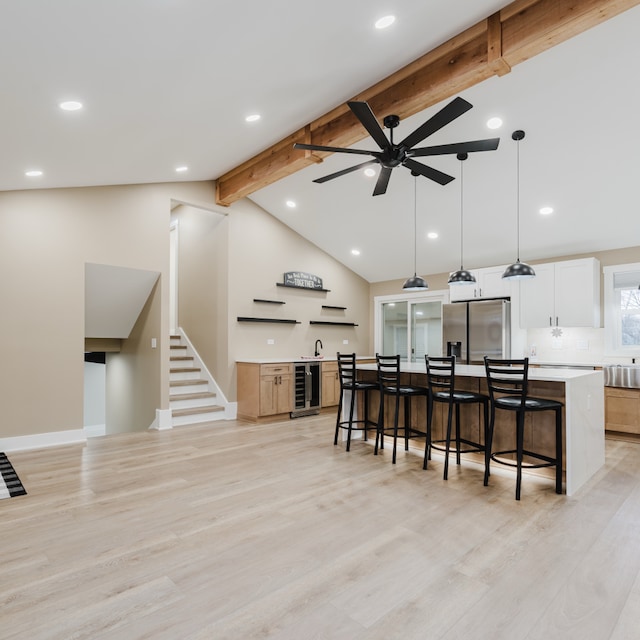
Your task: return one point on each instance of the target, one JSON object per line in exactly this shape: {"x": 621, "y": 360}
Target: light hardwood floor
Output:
{"x": 241, "y": 531}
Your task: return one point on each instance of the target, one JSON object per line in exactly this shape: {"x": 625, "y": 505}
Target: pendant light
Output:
{"x": 415, "y": 283}
{"x": 462, "y": 276}
{"x": 518, "y": 270}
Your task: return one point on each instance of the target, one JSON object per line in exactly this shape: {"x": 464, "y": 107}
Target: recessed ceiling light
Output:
{"x": 385, "y": 22}
{"x": 494, "y": 123}
{"x": 369, "y": 172}
{"x": 545, "y": 211}
{"x": 71, "y": 105}
{"x": 432, "y": 235}
{"x": 182, "y": 169}
{"x": 253, "y": 117}
{"x": 291, "y": 204}
{"x": 355, "y": 252}
{"x": 34, "y": 173}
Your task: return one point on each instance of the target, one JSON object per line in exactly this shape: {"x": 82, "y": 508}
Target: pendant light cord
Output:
{"x": 461, "y": 214}
{"x": 415, "y": 224}
{"x": 518, "y": 201}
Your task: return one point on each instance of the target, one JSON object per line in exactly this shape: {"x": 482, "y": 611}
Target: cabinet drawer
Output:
{"x": 275, "y": 369}
{"x": 329, "y": 367}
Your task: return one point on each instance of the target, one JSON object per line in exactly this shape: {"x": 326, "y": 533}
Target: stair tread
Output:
{"x": 196, "y": 410}
{"x": 186, "y": 383}
{"x": 184, "y": 369}
{"x": 192, "y": 396}
{"x": 177, "y": 346}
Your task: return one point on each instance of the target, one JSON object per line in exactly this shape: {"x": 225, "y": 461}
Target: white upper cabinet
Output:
{"x": 563, "y": 294}
{"x": 489, "y": 284}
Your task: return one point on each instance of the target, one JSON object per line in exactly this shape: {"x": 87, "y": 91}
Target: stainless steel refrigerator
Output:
{"x": 475, "y": 329}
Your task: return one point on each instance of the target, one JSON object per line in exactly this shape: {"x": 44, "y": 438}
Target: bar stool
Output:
{"x": 348, "y": 382}
{"x": 441, "y": 378}
{"x": 511, "y": 378}
{"x": 389, "y": 385}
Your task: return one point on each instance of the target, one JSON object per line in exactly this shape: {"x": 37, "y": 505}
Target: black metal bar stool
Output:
{"x": 390, "y": 385}
{"x": 441, "y": 378}
{"x": 510, "y": 379}
{"x": 349, "y": 382}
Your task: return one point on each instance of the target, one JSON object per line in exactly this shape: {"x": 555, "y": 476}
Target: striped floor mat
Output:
{"x": 10, "y": 485}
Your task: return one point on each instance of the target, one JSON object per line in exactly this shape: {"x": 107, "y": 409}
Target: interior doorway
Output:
{"x": 94, "y": 418}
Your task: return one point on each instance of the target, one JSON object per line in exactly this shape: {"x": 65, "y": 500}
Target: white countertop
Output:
{"x": 298, "y": 359}
{"x": 478, "y": 371}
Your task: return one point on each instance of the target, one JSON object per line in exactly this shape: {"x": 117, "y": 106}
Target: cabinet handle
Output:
{"x": 550, "y": 322}
{"x": 556, "y": 321}
{"x": 480, "y": 289}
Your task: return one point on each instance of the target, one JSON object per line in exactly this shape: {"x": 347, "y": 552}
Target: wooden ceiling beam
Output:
{"x": 519, "y": 31}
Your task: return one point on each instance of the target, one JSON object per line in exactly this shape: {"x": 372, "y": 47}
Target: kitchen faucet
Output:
{"x": 317, "y": 353}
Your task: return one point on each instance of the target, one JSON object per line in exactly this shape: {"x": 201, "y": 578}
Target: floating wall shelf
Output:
{"x": 329, "y": 306}
{"x": 269, "y": 301}
{"x": 292, "y": 286}
{"x": 274, "y": 320}
{"x": 341, "y": 324}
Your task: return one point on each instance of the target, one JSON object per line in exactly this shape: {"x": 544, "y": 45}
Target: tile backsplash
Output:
{"x": 567, "y": 345}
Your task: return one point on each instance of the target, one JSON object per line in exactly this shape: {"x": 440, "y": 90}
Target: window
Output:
{"x": 622, "y": 310}
{"x": 409, "y": 325}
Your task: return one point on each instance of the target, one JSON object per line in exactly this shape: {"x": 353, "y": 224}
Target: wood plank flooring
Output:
{"x": 241, "y": 531}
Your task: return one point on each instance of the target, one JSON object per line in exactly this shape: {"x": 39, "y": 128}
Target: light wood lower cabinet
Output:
{"x": 330, "y": 384}
{"x": 264, "y": 389}
{"x": 622, "y": 410}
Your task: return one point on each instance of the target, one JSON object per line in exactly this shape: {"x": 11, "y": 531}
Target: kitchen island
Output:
{"x": 581, "y": 391}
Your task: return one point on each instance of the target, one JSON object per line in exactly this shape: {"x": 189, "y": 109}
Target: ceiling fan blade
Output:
{"x": 447, "y": 114}
{"x": 490, "y": 144}
{"x": 344, "y": 172}
{"x": 363, "y": 112}
{"x": 428, "y": 172}
{"x": 317, "y": 147}
{"x": 382, "y": 182}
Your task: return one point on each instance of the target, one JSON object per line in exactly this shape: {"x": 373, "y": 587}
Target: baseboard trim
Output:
{"x": 163, "y": 420}
{"x": 95, "y": 430}
{"x": 43, "y": 440}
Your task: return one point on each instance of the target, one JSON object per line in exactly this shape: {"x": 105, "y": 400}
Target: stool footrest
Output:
{"x": 388, "y": 431}
{"x": 369, "y": 424}
{"x": 474, "y": 446}
{"x": 546, "y": 460}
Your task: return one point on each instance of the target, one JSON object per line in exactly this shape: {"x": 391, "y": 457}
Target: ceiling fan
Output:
{"x": 392, "y": 155}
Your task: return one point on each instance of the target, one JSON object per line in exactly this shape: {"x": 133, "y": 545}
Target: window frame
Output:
{"x": 441, "y": 296}
{"x": 613, "y": 346}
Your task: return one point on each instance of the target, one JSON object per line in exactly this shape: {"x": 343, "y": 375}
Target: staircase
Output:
{"x": 191, "y": 398}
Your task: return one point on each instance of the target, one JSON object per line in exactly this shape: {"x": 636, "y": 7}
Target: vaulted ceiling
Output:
{"x": 168, "y": 83}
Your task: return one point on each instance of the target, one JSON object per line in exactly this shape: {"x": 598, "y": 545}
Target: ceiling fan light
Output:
{"x": 518, "y": 271}
{"x": 462, "y": 277}
{"x": 415, "y": 283}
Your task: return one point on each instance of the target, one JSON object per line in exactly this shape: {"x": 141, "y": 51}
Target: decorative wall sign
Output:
{"x": 302, "y": 280}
